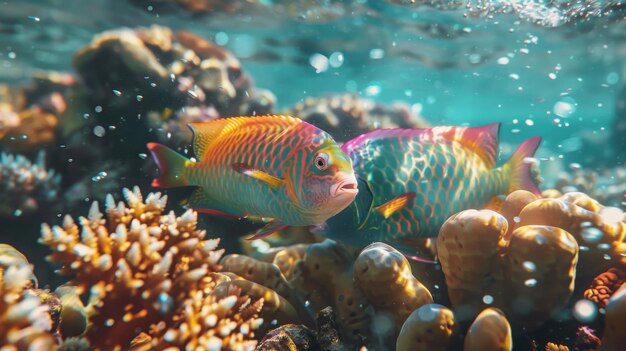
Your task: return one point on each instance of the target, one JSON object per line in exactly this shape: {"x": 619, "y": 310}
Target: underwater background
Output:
{"x": 84, "y": 85}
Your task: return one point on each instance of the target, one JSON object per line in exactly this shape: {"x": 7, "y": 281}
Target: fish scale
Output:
{"x": 412, "y": 180}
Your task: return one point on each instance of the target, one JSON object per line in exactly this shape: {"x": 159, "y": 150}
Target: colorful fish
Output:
{"x": 411, "y": 180}
{"x": 276, "y": 168}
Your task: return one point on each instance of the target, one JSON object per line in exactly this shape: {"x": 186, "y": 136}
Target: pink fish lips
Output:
{"x": 345, "y": 187}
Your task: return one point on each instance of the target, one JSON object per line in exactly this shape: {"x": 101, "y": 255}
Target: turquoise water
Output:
{"x": 452, "y": 66}
{"x": 554, "y": 69}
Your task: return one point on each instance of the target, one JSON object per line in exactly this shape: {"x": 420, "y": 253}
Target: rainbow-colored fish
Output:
{"x": 411, "y": 180}
{"x": 276, "y": 168}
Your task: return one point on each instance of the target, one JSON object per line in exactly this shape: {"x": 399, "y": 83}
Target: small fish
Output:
{"x": 411, "y": 180}
{"x": 278, "y": 169}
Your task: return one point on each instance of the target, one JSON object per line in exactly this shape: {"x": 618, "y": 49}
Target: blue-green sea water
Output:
{"x": 549, "y": 68}
{"x": 538, "y": 69}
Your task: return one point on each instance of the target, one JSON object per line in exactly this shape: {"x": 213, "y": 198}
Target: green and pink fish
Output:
{"x": 411, "y": 180}
{"x": 278, "y": 169}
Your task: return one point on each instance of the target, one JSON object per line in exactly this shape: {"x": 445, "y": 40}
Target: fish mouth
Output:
{"x": 347, "y": 185}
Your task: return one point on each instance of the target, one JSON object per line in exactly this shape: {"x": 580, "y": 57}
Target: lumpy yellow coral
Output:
{"x": 384, "y": 275}
{"x": 137, "y": 264}
{"x": 529, "y": 275}
{"x": 429, "y": 328}
{"x": 489, "y": 332}
{"x": 325, "y": 278}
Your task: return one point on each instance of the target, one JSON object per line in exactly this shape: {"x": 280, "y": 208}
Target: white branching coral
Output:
{"x": 206, "y": 322}
{"x": 25, "y": 323}
{"x": 25, "y": 187}
{"x": 137, "y": 264}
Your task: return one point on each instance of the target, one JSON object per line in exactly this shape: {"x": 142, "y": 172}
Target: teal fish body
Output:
{"x": 411, "y": 181}
{"x": 278, "y": 169}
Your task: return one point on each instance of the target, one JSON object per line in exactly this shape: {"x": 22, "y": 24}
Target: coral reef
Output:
{"x": 206, "y": 322}
{"x": 347, "y": 116}
{"x": 26, "y": 187}
{"x": 25, "y": 323}
{"x": 381, "y": 265}
{"x": 171, "y": 74}
{"x": 490, "y": 331}
{"x": 30, "y": 117}
{"x": 604, "y": 286}
{"x": 599, "y": 230}
{"x": 293, "y": 337}
{"x": 311, "y": 277}
{"x": 529, "y": 275}
{"x": 586, "y": 340}
{"x": 607, "y": 185}
{"x": 430, "y": 327}
{"x": 554, "y": 347}
{"x": 145, "y": 270}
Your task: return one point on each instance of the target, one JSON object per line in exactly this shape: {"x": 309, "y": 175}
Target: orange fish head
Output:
{"x": 325, "y": 182}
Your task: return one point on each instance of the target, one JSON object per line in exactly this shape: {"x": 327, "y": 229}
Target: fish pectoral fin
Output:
{"x": 392, "y": 206}
{"x": 267, "y": 230}
{"x": 201, "y": 202}
{"x": 270, "y": 180}
{"x": 259, "y": 219}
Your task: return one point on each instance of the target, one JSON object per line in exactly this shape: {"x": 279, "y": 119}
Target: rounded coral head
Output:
{"x": 321, "y": 178}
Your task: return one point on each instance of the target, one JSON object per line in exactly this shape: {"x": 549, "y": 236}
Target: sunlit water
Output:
{"x": 548, "y": 68}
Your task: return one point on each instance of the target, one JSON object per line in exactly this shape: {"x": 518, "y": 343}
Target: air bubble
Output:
{"x": 591, "y": 234}
{"x": 529, "y": 266}
{"x": 531, "y": 283}
{"x": 99, "y": 131}
{"x": 585, "y": 311}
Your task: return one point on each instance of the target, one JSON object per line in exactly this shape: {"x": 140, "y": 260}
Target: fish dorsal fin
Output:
{"x": 481, "y": 140}
{"x": 206, "y": 133}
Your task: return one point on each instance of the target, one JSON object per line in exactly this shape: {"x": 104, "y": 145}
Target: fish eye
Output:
{"x": 321, "y": 161}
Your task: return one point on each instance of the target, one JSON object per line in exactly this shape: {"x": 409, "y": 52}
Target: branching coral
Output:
{"x": 26, "y": 187}
{"x": 139, "y": 266}
{"x": 25, "y": 323}
{"x": 206, "y": 322}
{"x": 530, "y": 276}
{"x": 347, "y": 116}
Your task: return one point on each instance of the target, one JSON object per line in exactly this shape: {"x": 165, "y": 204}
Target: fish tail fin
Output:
{"x": 171, "y": 166}
{"x": 522, "y": 170}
